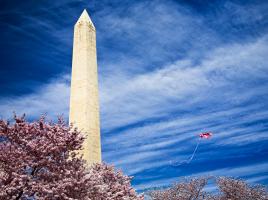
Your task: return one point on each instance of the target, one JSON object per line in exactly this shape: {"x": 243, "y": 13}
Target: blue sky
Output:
{"x": 168, "y": 70}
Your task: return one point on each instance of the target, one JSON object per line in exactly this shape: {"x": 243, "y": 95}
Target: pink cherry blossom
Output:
{"x": 39, "y": 160}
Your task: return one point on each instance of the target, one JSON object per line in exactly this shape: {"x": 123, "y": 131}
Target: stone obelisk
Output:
{"x": 84, "y": 100}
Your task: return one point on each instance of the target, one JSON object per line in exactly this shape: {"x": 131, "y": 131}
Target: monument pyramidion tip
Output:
{"x": 84, "y": 18}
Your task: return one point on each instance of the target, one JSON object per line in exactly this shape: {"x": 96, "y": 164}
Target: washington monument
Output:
{"x": 84, "y": 100}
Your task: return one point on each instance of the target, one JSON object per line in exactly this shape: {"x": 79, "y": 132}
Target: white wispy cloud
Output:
{"x": 51, "y": 99}
{"x": 143, "y": 96}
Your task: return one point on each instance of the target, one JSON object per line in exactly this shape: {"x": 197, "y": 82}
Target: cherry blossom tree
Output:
{"x": 193, "y": 189}
{"x": 106, "y": 183}
{"x": 238, "y": 189}
{"x": 185, "y": 190}
{"x": 39, "y": 160}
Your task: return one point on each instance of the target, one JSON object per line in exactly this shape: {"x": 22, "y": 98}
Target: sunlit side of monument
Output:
{"x": 84, "y": 100}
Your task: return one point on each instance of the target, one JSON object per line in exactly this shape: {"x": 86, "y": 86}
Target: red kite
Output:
{"x": 204, "y": 135}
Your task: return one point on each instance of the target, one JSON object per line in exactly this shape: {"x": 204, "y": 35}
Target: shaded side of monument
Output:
{"x": 84, "y": 99}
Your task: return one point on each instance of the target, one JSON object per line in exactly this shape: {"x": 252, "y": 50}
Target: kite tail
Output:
{"x": 175, "y": 164}
{"x": 196, "y": 147}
